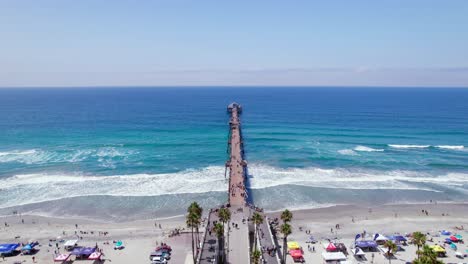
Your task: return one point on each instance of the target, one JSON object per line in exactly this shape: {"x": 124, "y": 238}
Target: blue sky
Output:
{"x": 372, "y": 43}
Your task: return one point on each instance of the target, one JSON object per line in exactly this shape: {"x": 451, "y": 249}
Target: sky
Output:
{"x": 226, "y": 43}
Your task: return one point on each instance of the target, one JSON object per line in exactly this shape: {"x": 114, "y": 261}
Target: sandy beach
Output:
{"x": 141, "y": 237}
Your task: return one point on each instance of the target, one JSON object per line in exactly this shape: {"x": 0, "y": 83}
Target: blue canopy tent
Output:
{"x": 369, "y": 244}
{"x": 29, "y": 248}
{"x": 398, "y": 238}
{"x": 83, "y": 252}
{"x": 8, "y": 249}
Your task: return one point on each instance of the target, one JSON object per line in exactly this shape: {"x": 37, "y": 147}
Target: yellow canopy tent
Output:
{"x": 293, "y": 245}
{"x": 437, "y": 249}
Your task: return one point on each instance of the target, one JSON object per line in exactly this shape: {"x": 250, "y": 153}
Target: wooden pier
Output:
{"x": 239, "y": 230}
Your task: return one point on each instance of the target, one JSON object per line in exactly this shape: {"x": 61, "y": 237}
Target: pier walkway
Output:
{"x": 238, "y": 241}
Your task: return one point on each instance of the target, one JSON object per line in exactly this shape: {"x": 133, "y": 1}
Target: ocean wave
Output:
{"x": 367, "y": 149}
{"x": 104, "y": 155}
{"x": 456, "y": 147}
{"x": 348, "y": 152}
{"x": 40, "y": 187}
{"x": 408, "y": 146}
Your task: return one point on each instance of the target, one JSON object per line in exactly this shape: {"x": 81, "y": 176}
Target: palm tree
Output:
{"x": 258, "y": 220}
{"x": 198, "y": 211}
{"x": 427, "y": 256}
{"x": 391, "y": 249}
{"x": 286, "y": 216}
{"x": 256, "y": 254}
{"x": 192, "y": 221}
{"x": 219, "y": 230}
{"x": 225, "y": 216}
{"x": 419, "y": 239}
{"x": 286, "y": 230}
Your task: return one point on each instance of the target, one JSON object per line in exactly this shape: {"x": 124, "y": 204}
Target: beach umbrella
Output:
{"x": 459, "y": 237}
{"x": 453, "y": 246}
{"x": 453, "y": 238}
{"x": 446, "y": 233}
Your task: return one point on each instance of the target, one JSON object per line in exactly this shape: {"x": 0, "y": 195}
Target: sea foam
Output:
{"x": 459, "y": 147}
{"x": 40, "y": 187}
{"x": 367, "y": 149}
{"x": 408, "y": 146}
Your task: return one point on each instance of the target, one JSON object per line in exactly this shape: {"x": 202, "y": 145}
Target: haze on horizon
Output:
{"x": 193, "y": 43}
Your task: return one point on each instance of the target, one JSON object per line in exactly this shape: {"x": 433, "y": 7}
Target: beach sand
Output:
{"x": 141, "y": 237}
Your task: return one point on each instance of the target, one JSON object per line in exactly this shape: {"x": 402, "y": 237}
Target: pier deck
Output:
{"x": 237, "y": 231}
{"x": 237, "y": 191}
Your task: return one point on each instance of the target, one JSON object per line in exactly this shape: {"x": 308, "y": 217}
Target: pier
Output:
{"x": 239, "y": 232}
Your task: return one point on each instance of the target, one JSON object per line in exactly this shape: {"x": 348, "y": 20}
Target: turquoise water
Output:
{"x": 145, "y": 152}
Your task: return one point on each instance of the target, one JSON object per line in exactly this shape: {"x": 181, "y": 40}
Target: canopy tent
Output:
{"x": 83, "y": 251}
{"x": 437, "y": 249}
{"x": 6, "y": 249}
{"x": 446, "y": 233}
{"x": 312, "y": 240}
{"x": 330, "y": 256}
{"x": 29, "y": 247}
{"x": 358, "y": 252}
{"x": 330, "y": 247}
{"x": 95, "y": 256}
{"x": 70, "y": 244}
{"x": 379, "y": 238}
{"x": 295, "y": 253}
{"x": 341, "y": 247}
{"x": 293, "y": 245}
{"x": 454, "y": 239}
{"x": 448, "y": 241}
{"x": 459, "y": 237}
{"x": 366, "y": 244}
{"x": 398, "y": 238}
{"x": 62, "y": 257}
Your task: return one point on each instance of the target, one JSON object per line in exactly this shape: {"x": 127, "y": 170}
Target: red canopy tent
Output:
{"x": 295, "y": 253}
{"x": 331, "y": 247}
{"x": 454, "y": 239}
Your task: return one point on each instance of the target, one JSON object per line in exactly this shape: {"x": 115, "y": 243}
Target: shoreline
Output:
{"x": 332, "y": 207}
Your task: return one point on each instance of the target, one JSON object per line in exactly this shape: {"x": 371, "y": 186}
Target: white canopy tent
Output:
{"x": 69, "y": 244}
{"x": 333, "y": 256}
{"x": 358, "y": 252}
{"x": 381, "y": 238}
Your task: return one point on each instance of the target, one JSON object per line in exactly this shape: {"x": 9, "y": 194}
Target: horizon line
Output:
{"x": 233, "y": 86}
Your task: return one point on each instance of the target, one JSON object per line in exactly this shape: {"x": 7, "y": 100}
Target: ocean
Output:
{"x": 139, "y": 153}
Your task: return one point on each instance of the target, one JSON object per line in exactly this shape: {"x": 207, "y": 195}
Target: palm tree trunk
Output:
{"x": 284, "y": 249}
{"x": 193, "y": 248}
{"x": 255, "y": 237}
{"x": 227, "y": 247}
{"x": 197, "y": 239}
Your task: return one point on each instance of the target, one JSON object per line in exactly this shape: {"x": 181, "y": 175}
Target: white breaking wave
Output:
{"x": 408, "y": 146}
{"x": 103, "y": 155}
{"x": 450, "y": 147}
{"x": 33, "y": 188}
{"x": 348, "y": 152}
{"x": 367, "y": 149}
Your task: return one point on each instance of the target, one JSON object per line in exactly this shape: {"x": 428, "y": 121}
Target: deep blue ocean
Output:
{"x": 128, "y": 153}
